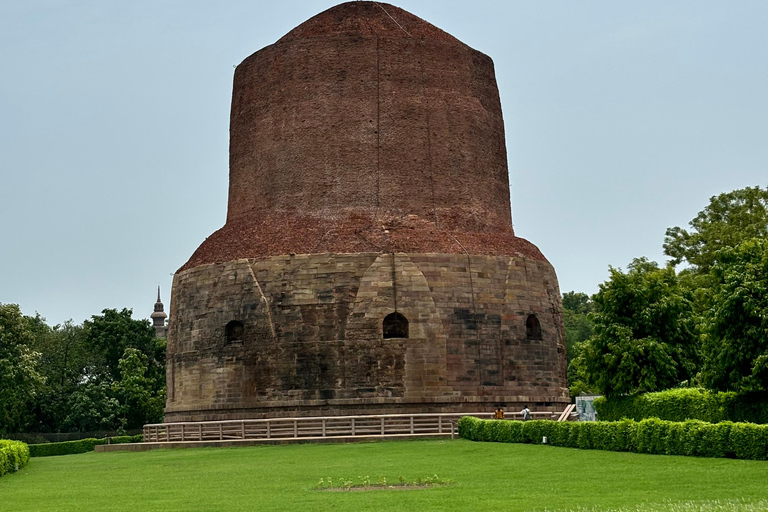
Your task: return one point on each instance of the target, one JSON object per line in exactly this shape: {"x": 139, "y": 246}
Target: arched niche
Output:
{"x": 395, "y": 325}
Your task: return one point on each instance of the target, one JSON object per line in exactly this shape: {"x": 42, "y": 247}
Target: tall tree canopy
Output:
{"x": 128, "y": 380}
{"x": 728, "y": 220}
{"x": 20, "y": 379}
{"x": 578, "y": 326}
{"x": 104, "y": 375}
{"x": 736, "y": 345}
{"x": 141, "y": 396}
{"x": 110, "y": 333}
{"x": 645, "y": 335}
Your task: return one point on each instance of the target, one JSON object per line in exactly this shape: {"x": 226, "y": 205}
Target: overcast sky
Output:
{"x": 622, "y": 119}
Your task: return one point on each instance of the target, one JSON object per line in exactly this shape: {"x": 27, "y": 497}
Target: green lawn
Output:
{"x": 484, "y": 476}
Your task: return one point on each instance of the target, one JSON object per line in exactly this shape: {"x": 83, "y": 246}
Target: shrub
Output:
{"x": 613, "y": 436}
{"x": 534, "y": 430}
{"x": 65, "y": 447}
{"x": 126, "y": 439}
{"x": 512, "y": 432}
{"x": 652, "y": 435}
{"x": 686, "y": 404}
{"x": 14, "y": 455}
{"x": 467, "y": 426}
{"x": 749, "y": 441}
{"x": 559, "y": 434}
{"x": 80, "y": 446}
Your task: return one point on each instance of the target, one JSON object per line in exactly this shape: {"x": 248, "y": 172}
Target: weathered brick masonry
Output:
{"x": 368, "y": 176}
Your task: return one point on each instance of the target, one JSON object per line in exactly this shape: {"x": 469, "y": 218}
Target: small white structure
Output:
{"x": 585, "y": 407}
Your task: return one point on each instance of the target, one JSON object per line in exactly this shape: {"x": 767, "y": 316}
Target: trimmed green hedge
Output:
{"x": 14, "y": 455}
{"x": 126, "y": 439}
{"x": 686, "y": 404}
{"x": 80, "y": 446}
{"x": 65, "y": 447}
{"x": 693, "y": 437}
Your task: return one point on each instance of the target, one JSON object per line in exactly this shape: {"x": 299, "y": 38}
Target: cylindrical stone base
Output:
{"x": 307, "y": 335}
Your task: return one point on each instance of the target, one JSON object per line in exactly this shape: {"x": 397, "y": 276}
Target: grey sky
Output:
{"x": 622, "y": 119}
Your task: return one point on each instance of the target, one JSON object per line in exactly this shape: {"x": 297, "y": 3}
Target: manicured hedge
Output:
{"x": 14, "y": 455}
{"x": 693, "y": 437}
{"x": 126, "y": 439}
{"x": 65, "y": 447}
{"x": 686, "y": 404}
{"x": 80, "y": 446}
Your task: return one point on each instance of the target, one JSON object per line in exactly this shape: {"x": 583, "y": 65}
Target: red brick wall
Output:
{"x": 351, "y": 135}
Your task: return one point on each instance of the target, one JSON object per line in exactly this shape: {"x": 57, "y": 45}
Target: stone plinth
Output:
{"x": 312, "y": 340}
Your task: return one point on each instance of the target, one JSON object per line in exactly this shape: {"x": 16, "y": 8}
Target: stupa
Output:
{"x": 368, "y": 262}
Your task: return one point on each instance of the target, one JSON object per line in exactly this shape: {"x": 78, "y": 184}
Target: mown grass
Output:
{"x": 483, "y": 476}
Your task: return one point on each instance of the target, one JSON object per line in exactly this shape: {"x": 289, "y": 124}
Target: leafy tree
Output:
{"x": 122, "y": 384}
{"x": 578, "y": 329}
{"x": 110, "y": 333}
{"x": 130, "y": 402}
{"x": 65, "y": 355}
{"x": 93, "y": 406}
{"x": 736, "y": 345}
{"x": 20, "y": 379}
{"x": 65, "y": 361}
{"x": 106, "y": 374}
{"x": 645, "y": 333}
{"x": 728, "y": 220}
{"x": 142, "y": 398}
{"x": 578, "y": 302}
{"x": 578, "y": 326}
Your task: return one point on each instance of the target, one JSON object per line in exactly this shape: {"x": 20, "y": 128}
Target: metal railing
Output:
{"x": 315, "y": 427}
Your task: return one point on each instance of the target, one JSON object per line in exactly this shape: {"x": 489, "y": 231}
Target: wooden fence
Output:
{"x": 316, "y": 427}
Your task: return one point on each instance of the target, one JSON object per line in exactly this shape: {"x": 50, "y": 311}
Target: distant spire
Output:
{"x": 158, "y": 317}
